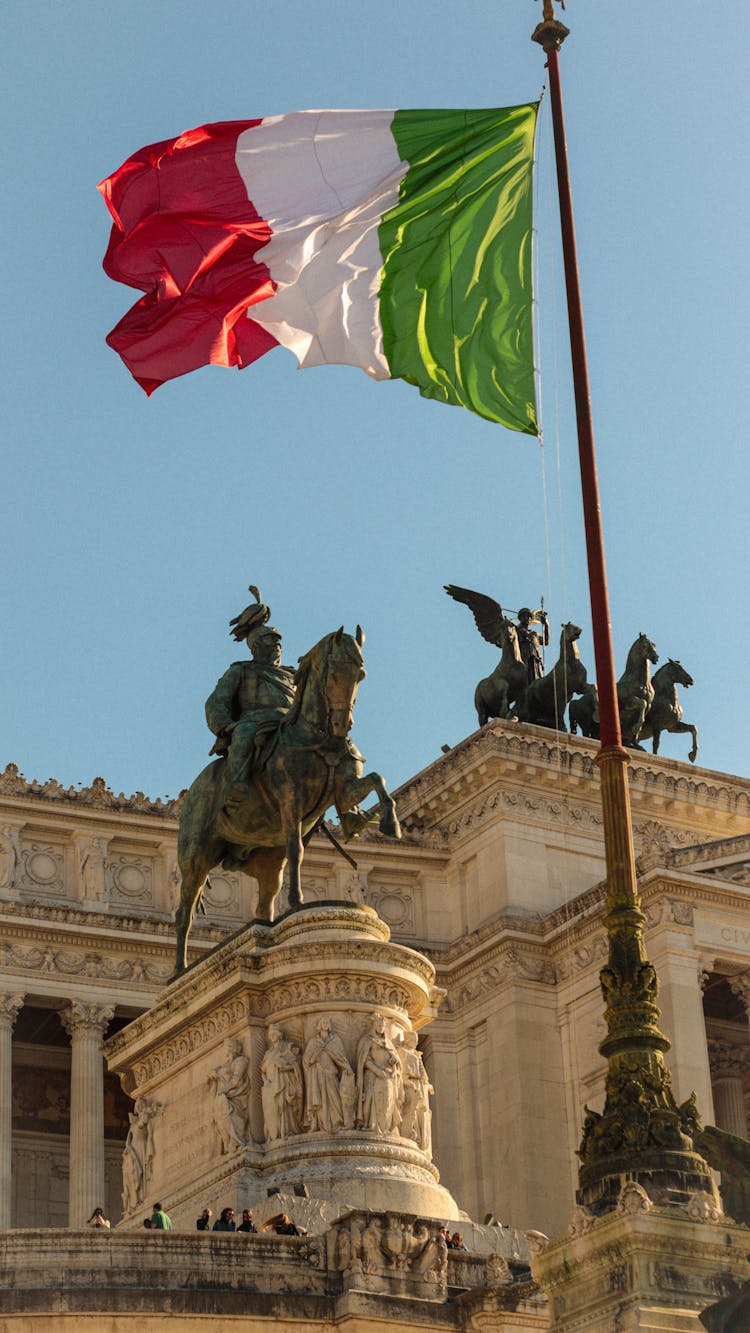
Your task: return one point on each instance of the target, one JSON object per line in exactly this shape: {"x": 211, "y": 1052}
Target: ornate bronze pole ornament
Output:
{"x": 642, "y": 1134}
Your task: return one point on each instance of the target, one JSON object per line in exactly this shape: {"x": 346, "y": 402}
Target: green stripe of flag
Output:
{"x": 455, "y": 296}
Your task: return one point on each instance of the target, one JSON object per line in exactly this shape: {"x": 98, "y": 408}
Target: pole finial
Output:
{"x": 550, "y": 33}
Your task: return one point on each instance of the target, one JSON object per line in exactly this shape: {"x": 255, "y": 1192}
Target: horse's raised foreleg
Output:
{"x": 352, "y": 791}
{"x": 683, "y": 727}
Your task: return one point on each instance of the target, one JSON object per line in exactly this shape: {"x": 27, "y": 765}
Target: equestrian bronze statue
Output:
{"x": 285, "y": 757}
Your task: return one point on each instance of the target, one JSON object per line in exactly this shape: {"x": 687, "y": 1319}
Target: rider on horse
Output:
{"x": 250, "y": 699}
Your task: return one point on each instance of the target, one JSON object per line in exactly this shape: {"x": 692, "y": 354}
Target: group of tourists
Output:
{"x": 281, "y": 1224}
{"x": 453, "y": 1242}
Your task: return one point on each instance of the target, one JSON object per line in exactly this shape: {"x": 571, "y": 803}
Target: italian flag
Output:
{"x": 396, "y": 241}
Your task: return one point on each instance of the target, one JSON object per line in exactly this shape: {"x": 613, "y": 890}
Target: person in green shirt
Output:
{"x": 159, "y": 1219}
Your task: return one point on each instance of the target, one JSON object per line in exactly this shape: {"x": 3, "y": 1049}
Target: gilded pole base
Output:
{"x": 642, "y": 1134}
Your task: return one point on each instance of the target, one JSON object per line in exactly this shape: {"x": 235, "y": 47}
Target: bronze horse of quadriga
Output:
{"x": 635, "y": 691}
{"x": 506, "y": 684}
{"x": 665, "y": 713}
{"x": 312, "y": 765}
{"x": 546, "y": 699}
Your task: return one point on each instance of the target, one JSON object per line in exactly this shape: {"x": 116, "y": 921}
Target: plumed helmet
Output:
{"x": 247, "y": 624}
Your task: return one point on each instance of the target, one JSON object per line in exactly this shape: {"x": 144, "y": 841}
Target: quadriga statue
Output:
{"x": 284, "y": 758}
{"x": 518, "y": 687}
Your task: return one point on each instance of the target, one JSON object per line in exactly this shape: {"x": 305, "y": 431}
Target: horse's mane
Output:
{"x": 301, "y": 677}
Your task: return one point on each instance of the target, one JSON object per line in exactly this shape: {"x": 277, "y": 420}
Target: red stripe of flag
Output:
{"x": 186, "y": 234}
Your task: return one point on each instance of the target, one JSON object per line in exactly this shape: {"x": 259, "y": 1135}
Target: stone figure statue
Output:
{"x": 250, "y": 698}
{"x": 416, "y": 1116}
{"x": 9, "y": 856}
{"x": 325, "y": 1064}
{"x": 522, "y": 661}
{"x": 93, "y": 864}
{"x": 281, "y": 1087}
{"x": 379, "y": 1082}
{"x": 231, "y": 1083}
{"x": 254, "y": 808}
{"x": 138, "y": 1155}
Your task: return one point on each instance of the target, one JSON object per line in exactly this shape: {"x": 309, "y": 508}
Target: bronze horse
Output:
{"x": 635, "y": 692}
{"x": 665, "y": 713}
{"x": 311, "y": 765}
{"x": 495, "y": 693}
{"x": 546, "y": 699}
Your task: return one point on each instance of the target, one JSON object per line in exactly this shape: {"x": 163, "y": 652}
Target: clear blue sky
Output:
{"x": 132, "y": 527}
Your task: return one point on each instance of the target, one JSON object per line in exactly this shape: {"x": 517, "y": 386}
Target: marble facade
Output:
{"x": 498, "y": 881}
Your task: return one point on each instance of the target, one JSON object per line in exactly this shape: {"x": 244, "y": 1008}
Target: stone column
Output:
{"x": 681, "y": 970}
{"x": 86, "y": 1022}
{"x": 728, "y": 1064}
{"x": 10, "y": 1003}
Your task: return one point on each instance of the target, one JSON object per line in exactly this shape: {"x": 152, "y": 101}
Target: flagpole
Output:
{"x": 642, "y": 1134}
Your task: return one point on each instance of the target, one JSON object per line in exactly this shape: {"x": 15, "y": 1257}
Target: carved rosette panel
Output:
{"x": 131, "y": 879}
{"x": 394, "y": 904}
{"x": 43, "y": 868}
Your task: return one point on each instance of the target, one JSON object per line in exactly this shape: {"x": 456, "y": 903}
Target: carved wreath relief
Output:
{"x": 379, "y": 1245}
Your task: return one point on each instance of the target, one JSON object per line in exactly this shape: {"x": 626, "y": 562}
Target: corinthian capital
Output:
{"x": 10, "y": 1003}
{"x": 740, "y": 986}
{"x": 82, "y": 1016}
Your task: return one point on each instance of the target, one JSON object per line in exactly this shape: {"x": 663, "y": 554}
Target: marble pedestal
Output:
{"x": 189, "y": 1147}
{"x": 641, "y": 1267}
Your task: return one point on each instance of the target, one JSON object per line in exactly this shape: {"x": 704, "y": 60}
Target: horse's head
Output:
{"x": 677, "y": 672}
{"x": 647, "y": 649}
{"x": 570, "y": 633}
{"x": 327, "y": 679}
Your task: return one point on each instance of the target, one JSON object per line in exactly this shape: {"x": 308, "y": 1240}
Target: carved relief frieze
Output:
{"x": 199, "y": 1034}
{"x": 530, "y": 807}
{"x": 511, "y": 963}
{"x": 99, "y": 966}
{"x": 289, "y": 996}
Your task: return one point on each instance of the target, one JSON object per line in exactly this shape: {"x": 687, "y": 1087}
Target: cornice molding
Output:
{"x": 97, "y": 796}
{"x": 526, "y": 751}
